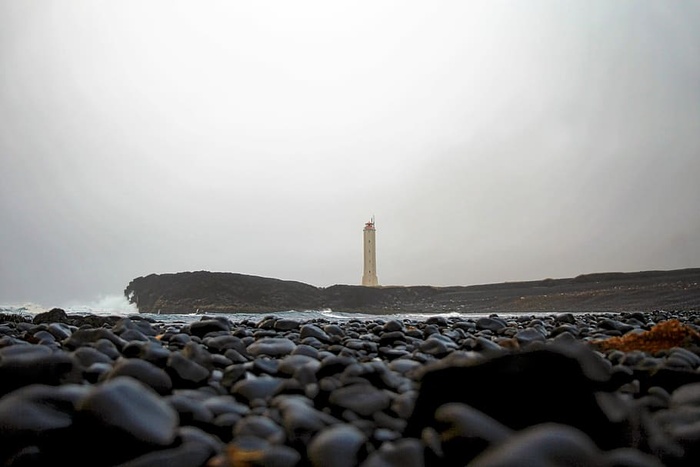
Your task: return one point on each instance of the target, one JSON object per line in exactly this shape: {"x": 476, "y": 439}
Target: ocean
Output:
{"x": 117, "y": 306}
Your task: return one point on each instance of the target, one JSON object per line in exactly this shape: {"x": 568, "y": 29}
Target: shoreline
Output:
{"x": 437, "y": 391}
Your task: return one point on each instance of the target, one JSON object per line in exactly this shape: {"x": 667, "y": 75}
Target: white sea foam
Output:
{"x": 27, "y": 308}
{"x": 104, "y": 305}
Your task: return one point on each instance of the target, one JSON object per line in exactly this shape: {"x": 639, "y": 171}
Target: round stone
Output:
{"x": 133, "y": 409}
{"x": 271, "y": 346}
{"x": 339, "y": 445}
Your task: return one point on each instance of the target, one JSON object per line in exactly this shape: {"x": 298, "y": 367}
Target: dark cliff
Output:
{"x": 187, "y": 292}
{"x": 203, "y": 291}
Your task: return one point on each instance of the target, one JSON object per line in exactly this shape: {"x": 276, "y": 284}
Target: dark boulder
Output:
{"x": 55, "y": 315}
{"x": 520, "y": 390}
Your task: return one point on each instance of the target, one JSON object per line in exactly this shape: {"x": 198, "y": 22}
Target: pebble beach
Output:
{"x": 583, "y": 389}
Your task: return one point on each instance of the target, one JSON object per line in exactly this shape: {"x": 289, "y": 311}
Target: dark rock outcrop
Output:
{"x": 211, "y": 292}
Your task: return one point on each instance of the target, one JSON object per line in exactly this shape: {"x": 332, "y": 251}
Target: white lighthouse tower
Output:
{"x": 369, "y": 274}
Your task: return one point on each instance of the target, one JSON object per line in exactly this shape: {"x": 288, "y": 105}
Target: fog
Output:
{"x": 493, "y": 141}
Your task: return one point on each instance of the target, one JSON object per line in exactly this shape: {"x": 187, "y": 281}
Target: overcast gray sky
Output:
{"x": 493, "y": 141}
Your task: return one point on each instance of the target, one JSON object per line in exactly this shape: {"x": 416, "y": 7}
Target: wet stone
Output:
{"x": 265, "y": 366}
{"x": 454, "y": 334}
{"x": 44, "y": 337}
{"x": 535, "y": 400}
{"x": 362, "y": 399}
{"x": 83, "y": 337}
{"x": 615, "y": 325}
{"x": 384, "y": 420}
{"x": 691, "y": 360}
{"x": 630, "y": 457}
{"x": 300, "y": 419}
{"x": 292, "y": 363}
{"x": 142, "y": 327}
{"x": 262, "y": 387}
{"x": 465, "y": 432}
{"x": 55, "y": 315}
{"x": 96, "y": 372}
{"x": 437, "y": 345}
{"x": 193, "y": 447}
{"x": 567, "y": 318}
{"x": 403, "y": 365}
{"x": 341, "y": 445}
{"x": 206, "y": 326}
{"x": 407, "y": 452}
{"x": 219, "y": 362}
{"x": 688, "y": 394}
{"x": 546, "y": 444}
{"x": 198, "y": 353}
{"x": 392, "y": 354}
{"x": 145, "y": 372}
{"x": 360, "y": 345}
{"x": 484, "y": 344}
{"x": 154, "y": 352}
{"x": 679, "y": 362}
{"x": 35, "y": 364}
{"x": 529, "y": 335}
{"x": 333, "y": 364}
{"x": 35, "y": 409}
{"x": 88, "y": 355}
{"x": 307, "y": 373}
{"x": 313, "y": 342}
{"x": 334, "y": 330}
{"x": 429, "y": 330}
{"x": 132, "y": 349}
{"x": 271, "y": 346}
{"x": 491, "y": 324}
{"x": 286, "y": 324}
{"x": 184, "y": 372}
{"x": 260, "y": 427}
{"x": 108, "y": 348}
{"x": 437, "y": 320}
{"x": 221, "y": 344}
{"x": 467, "y": 326}
{"x": 393, "y": 325}
{"x": 564, "y": 338}
{"x": 235, "y": 356}
{"x": 191, "y": 411}
{"x": 178, "y": 340}
{"x": 280, "y": 456}
{"x": 391, "y": 337}
{"x": 132, "y": 409}
{"x": 260, "y": 333}
{"x": 225, "y": 404}
{"x": 233, "y": 373}
{"x": 313, "y": 331}
{"x": 133, "y": 335}
{"x": 564, "y": 328}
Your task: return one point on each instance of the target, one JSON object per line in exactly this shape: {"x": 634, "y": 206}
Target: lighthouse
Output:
{"x": 369, "y": 274}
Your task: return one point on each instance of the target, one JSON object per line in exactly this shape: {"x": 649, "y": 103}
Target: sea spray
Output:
{"x": 104, "y": 305}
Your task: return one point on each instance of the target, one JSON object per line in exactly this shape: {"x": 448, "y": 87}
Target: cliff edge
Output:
{"x": 224, "y": 292}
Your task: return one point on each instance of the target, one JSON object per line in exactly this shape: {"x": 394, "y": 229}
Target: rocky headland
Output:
{"x": 213, "y": 292}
